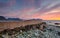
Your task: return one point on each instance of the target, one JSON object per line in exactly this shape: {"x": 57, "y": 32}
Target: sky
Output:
{"x": 31, "y": 9}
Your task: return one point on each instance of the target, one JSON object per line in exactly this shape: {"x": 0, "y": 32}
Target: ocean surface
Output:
{"x": 51, "y": 22}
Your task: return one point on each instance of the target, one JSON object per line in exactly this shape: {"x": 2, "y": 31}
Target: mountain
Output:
{"x": 16, "y": 19}
{"x": 2, "y": 18}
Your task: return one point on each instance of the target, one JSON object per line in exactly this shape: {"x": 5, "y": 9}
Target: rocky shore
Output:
{"x": 32, "y": 31}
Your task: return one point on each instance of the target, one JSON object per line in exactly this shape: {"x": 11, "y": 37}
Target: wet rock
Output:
{"x": 38, "y": 26}
{"x": 50, "y": 29}
{"x": 1, "y": 36}
{"x": 59, "y": 33}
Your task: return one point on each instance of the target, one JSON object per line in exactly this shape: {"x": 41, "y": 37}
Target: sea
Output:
{"x": 51, "y": 22}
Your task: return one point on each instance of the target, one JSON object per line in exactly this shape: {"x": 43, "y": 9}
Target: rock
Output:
{"x": 59, "y": 33}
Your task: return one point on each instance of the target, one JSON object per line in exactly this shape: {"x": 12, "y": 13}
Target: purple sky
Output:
{"x": 28, "y": 9}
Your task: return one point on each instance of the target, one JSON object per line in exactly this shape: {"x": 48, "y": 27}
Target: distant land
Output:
{"x": 16, "y": 19}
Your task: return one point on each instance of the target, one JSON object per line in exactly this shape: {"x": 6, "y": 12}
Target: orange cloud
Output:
{"x": 27, "y": 13}
{"x": 54, "y": 16}
{"x": 51, "y": 15}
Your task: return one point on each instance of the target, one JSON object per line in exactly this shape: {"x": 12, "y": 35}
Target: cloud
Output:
{"x": 7, "y": 4}
{"x": 48, "y": 5}
{"x": 53, "y": 11}
{"x": 54, "y": 16}
{"x": 23, "y": 13}
{"x": 5, "y": 7}
{"x": 44, "y": 9}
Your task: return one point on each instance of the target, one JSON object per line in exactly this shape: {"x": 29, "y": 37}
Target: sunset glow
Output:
{"x": 29, "y": 9}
